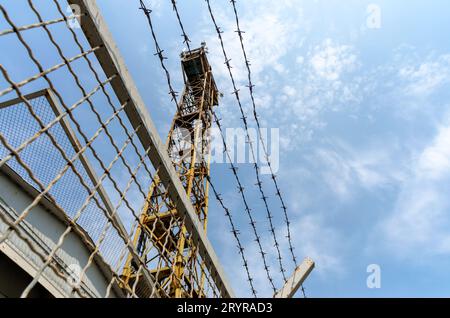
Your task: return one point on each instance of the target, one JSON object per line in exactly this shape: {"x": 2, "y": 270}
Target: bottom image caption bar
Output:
{"x": 225, "y": 307}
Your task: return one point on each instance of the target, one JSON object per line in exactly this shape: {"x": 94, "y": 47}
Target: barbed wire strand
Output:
{"x": 235, "y": 234}
{"x": 186, "y": 39}
{"x": 251, "y": 87}
{"x": 264, "y": 198}
{"x": 240, "y": 187}
{"x": 247, "y": 209}
{"x": 159, "y": 52}
{"x": 252, "y": 152}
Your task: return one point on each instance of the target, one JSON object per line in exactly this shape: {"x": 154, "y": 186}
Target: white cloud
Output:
{"x": 271, "y": 31}
{"x": 289, "y": 91}
{"x": 307, "y": 81}
{"x": 424, "y": 79}
{"x": 419, "y": 224}
{"x": 325, "y": 79}
{"x": 346, "y": 170}
{"x": 311, "y": 237}
{"x": 434, "y": 162}
{"x": 329, "y": 60}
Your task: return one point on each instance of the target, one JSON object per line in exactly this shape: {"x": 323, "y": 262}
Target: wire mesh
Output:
{"x": 67, "y": 140}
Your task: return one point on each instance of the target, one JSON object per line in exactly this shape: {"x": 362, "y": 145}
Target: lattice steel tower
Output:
{"x": 164, "y": 241}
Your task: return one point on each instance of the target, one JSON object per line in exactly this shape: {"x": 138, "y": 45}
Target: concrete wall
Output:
{"x": 44, "y": 228}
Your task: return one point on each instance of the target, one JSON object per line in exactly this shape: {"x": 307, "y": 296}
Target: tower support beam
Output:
{"x": 98, "y": 35}
{"x": 165, "y": 239}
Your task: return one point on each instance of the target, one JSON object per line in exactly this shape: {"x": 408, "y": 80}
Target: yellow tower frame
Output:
{"x": 164, "y": 241}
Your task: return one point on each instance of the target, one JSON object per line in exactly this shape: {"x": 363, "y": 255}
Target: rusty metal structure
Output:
{"x": 175, "y": 268}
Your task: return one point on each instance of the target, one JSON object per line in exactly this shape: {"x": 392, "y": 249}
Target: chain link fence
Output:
{"x": 75, "y": 138}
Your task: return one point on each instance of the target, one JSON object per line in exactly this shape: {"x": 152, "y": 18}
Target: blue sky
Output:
{"x": 364, "y": 122}
{"x": 364, "y": 127}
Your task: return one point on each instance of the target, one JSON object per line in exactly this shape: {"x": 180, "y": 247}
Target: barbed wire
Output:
{"x": 235, "y": 234}
{"x": 251, "y": 87}
{"x": 159, "y": 52}
{"x": 252, "y": 152}
{"x": 186, "y": 39}
{"x": 255, "y": 115}
{"x": 247, "y": 209}
{"x": 241, "y": 190}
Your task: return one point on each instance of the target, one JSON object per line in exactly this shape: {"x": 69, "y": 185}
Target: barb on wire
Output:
{"x": 246, "y": 206}
{"x": 241, "y": 191}
{"x": 252, "y": 152}
{"x": 159, "y": 52}
{"x": 261, "y": 140}
{"x": 235, "y": 234}
{"x": 186, "y": 39}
